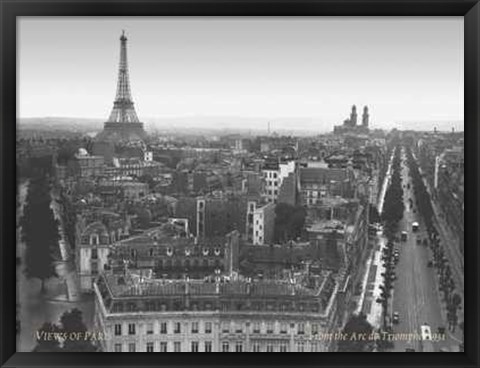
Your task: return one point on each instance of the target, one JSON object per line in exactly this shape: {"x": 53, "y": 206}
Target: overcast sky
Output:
{"x": 403, "y": 68}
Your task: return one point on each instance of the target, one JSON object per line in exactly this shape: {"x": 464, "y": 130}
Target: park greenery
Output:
{"x": 355, "y": 329}
{"x": 392, "y": 214}
{"x": 393, "y": 206}
{"x": 289, "y": 221}
{"x": 39, "y": 231}
{"x": 71, "y": 335}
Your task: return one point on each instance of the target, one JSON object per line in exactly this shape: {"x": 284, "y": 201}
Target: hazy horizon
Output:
{"x": 231, "y": 123}
{"x": 277, "y": 69}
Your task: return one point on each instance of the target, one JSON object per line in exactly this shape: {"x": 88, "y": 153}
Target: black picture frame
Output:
{"x": 10, "y": 10}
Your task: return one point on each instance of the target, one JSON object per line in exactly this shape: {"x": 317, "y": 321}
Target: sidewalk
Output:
{"x": 67, "y": 272}
{"x": 375, "y": 313}
{"x": 454, "y": 253}
{"x": 451, "y": 246}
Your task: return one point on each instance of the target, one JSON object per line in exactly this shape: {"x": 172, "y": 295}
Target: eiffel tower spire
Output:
{"x": 123, "y": 110}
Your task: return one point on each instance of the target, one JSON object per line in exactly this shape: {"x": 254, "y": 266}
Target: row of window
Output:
{"x": 206, "y": 254}
{"x": 269, "y": 174}
{"x": 177, "y": 328}
{"x": 238, "y": 347}
{"x": 270, "y": 328}
{"x": 178, "y": 305}
{"x": 272, "y": 183}
{"x": 177, "y": 347}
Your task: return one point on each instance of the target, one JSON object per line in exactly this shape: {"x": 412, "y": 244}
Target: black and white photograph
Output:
{"x": 240, "y": 184}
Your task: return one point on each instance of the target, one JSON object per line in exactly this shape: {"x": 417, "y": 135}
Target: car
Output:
{"x": 426, "y": 332}
{"x": 404, "y": 236}
{"x": 396, "y": 317}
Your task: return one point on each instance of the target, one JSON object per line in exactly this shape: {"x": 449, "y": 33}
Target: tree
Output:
{"x": 289, "y": 221}
{"x": 148, "y": 179}
{"x": 456, "y": 299}
{"x": 72, "y": 332}
{"x": 356, "y": 326}
{"x": 373, "y": 216}
{"x": 72, "y": 323}
{"x": 39, "y": 232}
{"x": 144, "y": 216}
{"x": 46, "y": 344}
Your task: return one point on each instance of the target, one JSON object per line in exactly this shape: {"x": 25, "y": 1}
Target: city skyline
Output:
{"x": 422, "y": 58}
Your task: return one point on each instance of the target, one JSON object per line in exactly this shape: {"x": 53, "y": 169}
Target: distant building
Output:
{"x": 133, "y": 166}
{"x": 168, "y": 253}
{"x": 289, "y": 190}
{"x": 274, "y": 174}
{"x": 212, "y": 215}
{"x": 350, "y": 125}
{"x": 105, "y": 149}
{"x": 318, "y": 183}
{"x": 260, "y": 223}
{"x": 96, "y": 232}
{"x": 85, "y": 165}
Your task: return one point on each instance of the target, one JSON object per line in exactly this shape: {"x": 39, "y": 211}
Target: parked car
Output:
{"x": 396, "y": 317}
{"x": 426, "y": 332}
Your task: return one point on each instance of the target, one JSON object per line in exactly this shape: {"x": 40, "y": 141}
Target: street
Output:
{"x": 416, "y": 296}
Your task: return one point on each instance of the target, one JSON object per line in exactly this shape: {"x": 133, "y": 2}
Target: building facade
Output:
{"x": 274, "y": 174}
{"x": 142, "y": 315}
{"x": 264, "y": 224}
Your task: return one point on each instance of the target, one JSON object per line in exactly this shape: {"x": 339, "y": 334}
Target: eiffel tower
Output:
{"x": 123, "y": 123}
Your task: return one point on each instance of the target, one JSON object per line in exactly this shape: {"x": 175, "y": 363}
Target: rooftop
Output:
{"x": 132, "y": 286}
{"x": 322, "y": 175}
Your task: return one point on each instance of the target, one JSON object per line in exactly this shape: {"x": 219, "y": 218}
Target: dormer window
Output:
{"x": 187, "y": 252}
{"x": 169, "y": 252}
{"x": 205, "y": 251}
{"x": 217, "y": 251}
{"x": 94, "y": 239}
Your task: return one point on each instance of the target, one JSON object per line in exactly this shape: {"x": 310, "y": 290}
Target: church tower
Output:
{"x": 365, "y": 117}
{"x": 353, "y": 116}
